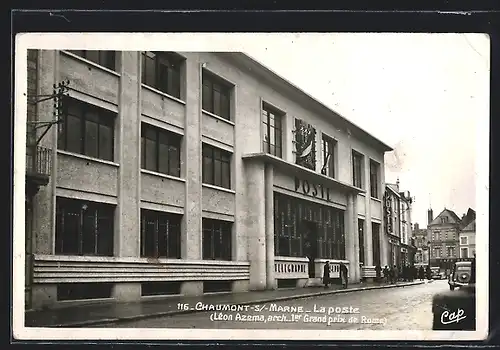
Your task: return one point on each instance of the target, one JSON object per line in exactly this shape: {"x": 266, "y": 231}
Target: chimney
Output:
{"x": 430, "y": 216}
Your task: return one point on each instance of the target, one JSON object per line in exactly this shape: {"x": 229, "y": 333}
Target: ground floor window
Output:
{"x": 160, "y": 234}
{"x": 84, "y": 227}
{"x": 83, "y": 291}
{"x": 307, "y": 229}
{"x": 361, "y": 237}
{"x": 376, "y": 244}
{"x": 217, "y": 239}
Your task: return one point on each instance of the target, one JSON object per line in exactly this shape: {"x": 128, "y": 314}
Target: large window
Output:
{"x": 87, "y": 129}
{"x": 272, "y": 130}
{"x": 216, "y": 166}
{"x": 216, "y": 239}
{"x": 357, "y": 169}
{"x": 361, "y": 237}
{"x": 104, "y": 58}
{"x": 160, "y": 150}
{"x": 162, "y": 71}
{"x": 299, "y": 223}
{"x": 84, "y": 227}
{"x": 328, "y": 151}
{"x": 376, "y": 243}
{"x": 216, "y": 96}
{"x": 374, "y": 179}
{"x": 160, "y": 234}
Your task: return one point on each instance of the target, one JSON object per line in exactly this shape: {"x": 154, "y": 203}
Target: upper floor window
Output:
{"x": 84, "y": 227}
{"x": 357, "y": 169}
{"x": 328, "y": 151}
{"x": 216, "y": 166}
{"x": 103, "y": 58}
{"x": 216, "y": 239}
{"x": 162, "y": 71}
{"x": 444, "y": 219}
{"x": 160, "y": 150}
{"x": 463, "y": 240}
{"x": 216, "y": 96}
{"x": 272, "y": 130}
{"x": 87, "y": 129}
{"x": 374, "y": 179}
{"x": 160, "y": 234}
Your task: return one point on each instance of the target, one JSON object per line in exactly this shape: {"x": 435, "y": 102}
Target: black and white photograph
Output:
{"x": 284, "y": 186}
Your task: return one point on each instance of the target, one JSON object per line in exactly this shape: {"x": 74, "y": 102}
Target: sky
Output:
{"x": 422, "y": 94}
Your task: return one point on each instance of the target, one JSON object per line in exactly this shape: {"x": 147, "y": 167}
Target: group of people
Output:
{"x": 407, "y": 273}
{"x": 343, "y": 275}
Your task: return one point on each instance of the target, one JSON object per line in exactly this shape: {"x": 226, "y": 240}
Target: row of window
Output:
{"x": 89, "y": 130}
{"x": 438, "y": 252}
{"x": 164, "y": 72}
{"x": 87, "y": 228}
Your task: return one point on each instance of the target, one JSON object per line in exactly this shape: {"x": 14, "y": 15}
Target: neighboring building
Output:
{"x": 468, "y": 241}
{"x": 397, "y": 218}
{"x": 421, "y": 243}
{"x": 190, "y": 173}
{"x": 443, "y": 232}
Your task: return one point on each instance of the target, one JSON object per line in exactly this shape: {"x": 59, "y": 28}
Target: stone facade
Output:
{"x": 247, "y": 204}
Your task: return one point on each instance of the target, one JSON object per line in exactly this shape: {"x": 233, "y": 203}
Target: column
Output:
{"x": 356, "y": 272}
{"x": 256, "y": 224}
{"x": 351, "y": 237}
{"x": 368, "y": 217}
{"x": 191, "y": 242}
{"x": 269, "y": 198}
{"x": 127, "y": 230}
{"x": 44, "y": 201}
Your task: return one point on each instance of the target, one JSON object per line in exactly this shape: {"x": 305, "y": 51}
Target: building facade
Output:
{"x": 443, "y": 232}
{"x": 189, "y": 173}
{"x": 421, "y": 242}
{"x": 468, "y": 241}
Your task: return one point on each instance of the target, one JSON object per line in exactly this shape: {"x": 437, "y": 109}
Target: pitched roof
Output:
{"x": 471, "y": 226}
{"x": 445, "y": 211}
{"x": 468, "y": 218}
{"x": 393, "y": 188}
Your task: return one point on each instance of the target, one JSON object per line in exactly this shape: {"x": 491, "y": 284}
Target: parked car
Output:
{"x": 460, "y": 274}
{"x": 436, "y": 273}
{"x": 456, "y": 310}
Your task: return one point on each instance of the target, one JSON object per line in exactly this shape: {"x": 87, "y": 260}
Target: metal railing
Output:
{"x": 38, "y": 161}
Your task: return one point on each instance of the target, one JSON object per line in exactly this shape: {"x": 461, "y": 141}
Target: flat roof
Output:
{"x": 245, "y": 58}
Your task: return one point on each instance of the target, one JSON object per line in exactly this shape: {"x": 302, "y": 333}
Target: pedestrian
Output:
{"x": 428, "y": 272}
{"x": 326, "y": 274}
{"x": 421, "y": 273}
{"x": 386, "y": 274}
{"x": 404, "y": 272}
{"x": 343, "y": 274}
{"x": 378, "y": 271}
{"x": 396, "y": 273}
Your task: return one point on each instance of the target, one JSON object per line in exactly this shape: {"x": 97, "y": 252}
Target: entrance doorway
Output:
{"x": 310, "y": 234}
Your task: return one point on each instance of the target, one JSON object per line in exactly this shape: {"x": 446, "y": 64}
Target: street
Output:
{"x": 407, "y": 308}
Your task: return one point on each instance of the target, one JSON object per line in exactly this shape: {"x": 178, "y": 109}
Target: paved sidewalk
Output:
{"x": 107, "y": 312}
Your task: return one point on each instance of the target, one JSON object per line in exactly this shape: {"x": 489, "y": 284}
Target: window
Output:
{"x": 160, "y": 234}
{"x": 464, "y": 253}
{"x": 84, "y": 227}
{"x": 104, "y": 58}
{"x": 444, "y": 220}
{"x": 87, "y": 129}
{"x": 437, "y": 252}
{"x": 463, "y": 240}
{"x": 162, "y": 71}
{"x": 216, "y": 96}
{"x": 328, "y": 156}
{"x": 272, "y": 130}
{"x": 374, "y": 179}
{"x": 216, "y": 167}
{"x": 357, "y": 169}
{"x": 361, "y": 230}
{"x": 216, "y": 239}
{"x": 450, "y": 251}
{"x": 160, "y": 150}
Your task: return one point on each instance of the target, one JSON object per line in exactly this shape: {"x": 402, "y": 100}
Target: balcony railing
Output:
{"x": 39, "y": 163}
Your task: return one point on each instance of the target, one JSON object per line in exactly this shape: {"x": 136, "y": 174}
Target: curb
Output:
{"x": 249, "y": 302}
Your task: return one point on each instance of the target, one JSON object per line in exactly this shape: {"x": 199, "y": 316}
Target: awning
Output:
{"x": 304, "y": 173}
